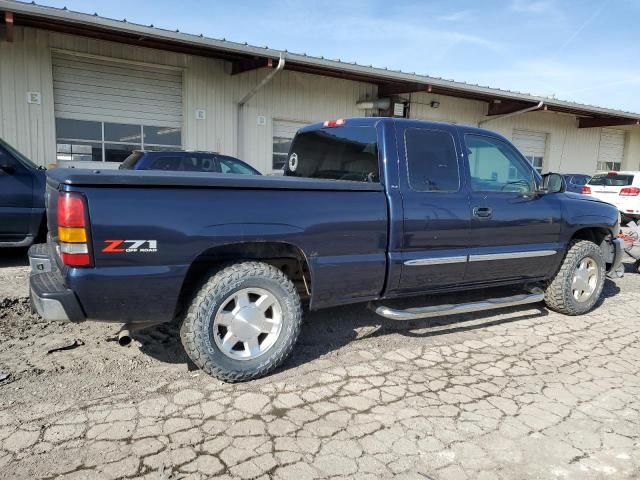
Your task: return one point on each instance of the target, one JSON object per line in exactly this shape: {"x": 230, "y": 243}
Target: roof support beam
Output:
{"x": 606, "y": 122}
{"x": 8, "y": 21}
{"x": 504, "y": 107}
{"x": 242, "y": 66}
{"x": 387, "y": 89}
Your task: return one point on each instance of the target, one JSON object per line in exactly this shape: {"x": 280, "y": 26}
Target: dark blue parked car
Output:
{"x": 186, "y": 161}
{"x": 369, "y": 210}
{"x": 575, "y": 181}
{"x": 21, "y": 198}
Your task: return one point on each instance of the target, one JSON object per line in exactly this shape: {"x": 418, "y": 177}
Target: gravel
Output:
{"x": 519, "y": 393}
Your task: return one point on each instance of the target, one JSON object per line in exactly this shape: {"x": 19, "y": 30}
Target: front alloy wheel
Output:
{"x": 585, "y": 279}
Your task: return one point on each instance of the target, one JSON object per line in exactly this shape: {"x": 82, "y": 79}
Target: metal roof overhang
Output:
{"x": 244, "y": 57}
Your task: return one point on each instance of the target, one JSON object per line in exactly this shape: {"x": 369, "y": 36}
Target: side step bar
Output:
{"x": 456, "y": 308}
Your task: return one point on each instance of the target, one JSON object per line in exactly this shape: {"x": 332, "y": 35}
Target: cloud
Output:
{"x": 532, "y": 7}
{"x": 455, "y": 16}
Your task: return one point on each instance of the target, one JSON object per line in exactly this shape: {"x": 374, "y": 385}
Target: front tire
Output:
{"x": 243, "y": 322}
{"x": 578, "y": 284}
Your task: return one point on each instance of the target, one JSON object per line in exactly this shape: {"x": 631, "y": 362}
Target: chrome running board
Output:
{"x": 456, "y": 308}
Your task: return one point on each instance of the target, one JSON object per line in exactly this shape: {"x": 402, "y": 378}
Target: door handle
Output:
{"x": 482, "y": 212}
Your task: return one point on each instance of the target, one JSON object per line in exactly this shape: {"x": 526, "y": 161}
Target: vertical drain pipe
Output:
{"x": 248, "y": 96}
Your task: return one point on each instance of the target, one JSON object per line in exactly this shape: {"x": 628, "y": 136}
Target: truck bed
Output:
{"x": 340, "y": 228}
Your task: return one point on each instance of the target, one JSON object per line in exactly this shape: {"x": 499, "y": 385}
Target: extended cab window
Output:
{"x": 496, "y": 166}
{"x": 341, "y": 153}
{"x": 431, "y": 160}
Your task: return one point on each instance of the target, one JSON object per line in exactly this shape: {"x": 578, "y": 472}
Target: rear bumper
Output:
{"x": 49, "y": 296}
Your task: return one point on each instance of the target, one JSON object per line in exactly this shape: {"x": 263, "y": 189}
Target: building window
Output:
{"x": 280, "y": 151}
{"x": 536, "y": 162}
{"x": 610, "y": 166}
{"x": 82, "y": 140}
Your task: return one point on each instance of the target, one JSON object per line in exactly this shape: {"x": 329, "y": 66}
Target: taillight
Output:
{"x": 630, "y": 192}
{"x": 72, "y": 230}
{"x": 586, "y": 190}
{"x": 335, "y": 123}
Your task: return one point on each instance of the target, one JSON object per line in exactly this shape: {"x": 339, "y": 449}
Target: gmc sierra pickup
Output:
{"x": 369, "y": 209}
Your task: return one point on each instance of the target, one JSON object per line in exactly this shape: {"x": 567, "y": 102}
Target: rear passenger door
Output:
{"x": 435, "y": 207}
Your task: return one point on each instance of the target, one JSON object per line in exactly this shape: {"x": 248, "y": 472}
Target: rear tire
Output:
{"x": 578, "y": 284}
{"x": 243, "y": 322}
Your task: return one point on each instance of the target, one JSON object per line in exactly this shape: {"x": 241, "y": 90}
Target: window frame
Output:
{"x": 535, "y": 176}
{"x": 406, "y": 159}
{"x": 103, "y": 141}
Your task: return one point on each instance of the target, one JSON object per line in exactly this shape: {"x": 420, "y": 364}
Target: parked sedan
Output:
{"x": 22, "y": 210}
{"x": 186, "y": 161}
{"x": 575, "y": 181}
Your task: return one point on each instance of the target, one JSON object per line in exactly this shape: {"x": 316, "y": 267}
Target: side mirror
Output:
{"x": 553, "y": 183}
{"x": 7, "y": 169}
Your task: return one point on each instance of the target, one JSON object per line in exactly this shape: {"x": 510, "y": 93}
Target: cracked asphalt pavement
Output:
{"x": 517, "y": 394}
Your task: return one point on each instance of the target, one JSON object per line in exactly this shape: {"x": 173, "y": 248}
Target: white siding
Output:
{"x": 26, "y": 65}
{"x": 92, "y": 88}
{"x": 450, "y": 110}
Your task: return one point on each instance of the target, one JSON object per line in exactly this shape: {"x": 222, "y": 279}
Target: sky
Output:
{"x": 581, "y": 50}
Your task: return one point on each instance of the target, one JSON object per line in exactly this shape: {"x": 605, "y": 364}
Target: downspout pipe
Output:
{"x": 512, "y": 114}
{"x": 249, "y": 96}
{"x": 264, "y": 81}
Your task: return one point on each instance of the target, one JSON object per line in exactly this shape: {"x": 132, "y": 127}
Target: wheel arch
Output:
{"x": 598, "y": 235}
{"x": 285, "y": 256}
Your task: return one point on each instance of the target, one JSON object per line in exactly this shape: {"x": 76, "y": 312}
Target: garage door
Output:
{"x": 611, "y": 150}
{"x": 106, "y": 108}
{"x": 283, "y": 133}
{"x": 88, "y": 88}
{"x": 533, "y": 145}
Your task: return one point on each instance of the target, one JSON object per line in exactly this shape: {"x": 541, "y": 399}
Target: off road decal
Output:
{"x": 130, "y": 246}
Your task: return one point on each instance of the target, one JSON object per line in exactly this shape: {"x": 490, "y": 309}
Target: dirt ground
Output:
{"x": 516, "y": 394}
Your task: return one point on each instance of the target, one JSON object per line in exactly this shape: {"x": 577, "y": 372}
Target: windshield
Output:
{"x": 129, "y": 163}
{"x": 18, "y": 156}
{"x": 231, "y": 165}
{"x": 342, "y": 153}
{"x": 611, "y": 180}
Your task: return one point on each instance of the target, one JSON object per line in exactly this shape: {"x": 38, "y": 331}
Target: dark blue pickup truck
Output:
{"x": 369, "y": 210}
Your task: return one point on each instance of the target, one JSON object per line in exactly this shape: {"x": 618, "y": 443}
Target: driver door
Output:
{"x": 515, "y": 231}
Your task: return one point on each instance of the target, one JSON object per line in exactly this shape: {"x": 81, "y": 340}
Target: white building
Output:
{"x": 80, "y": 86}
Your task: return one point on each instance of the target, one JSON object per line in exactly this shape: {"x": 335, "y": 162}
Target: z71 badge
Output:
{"x": 130, "y": 246}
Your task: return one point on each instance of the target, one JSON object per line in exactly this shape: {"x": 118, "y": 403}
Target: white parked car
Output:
{"x": 621, "y": 189}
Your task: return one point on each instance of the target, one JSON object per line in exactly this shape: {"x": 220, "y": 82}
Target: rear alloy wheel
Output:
{"x": 578, "y": 284}
{"x": 243, "y": 322}
{"x": 247, "y": 324}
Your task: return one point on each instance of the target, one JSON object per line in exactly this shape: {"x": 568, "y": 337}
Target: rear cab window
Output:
{"x": 338, "y": 153}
